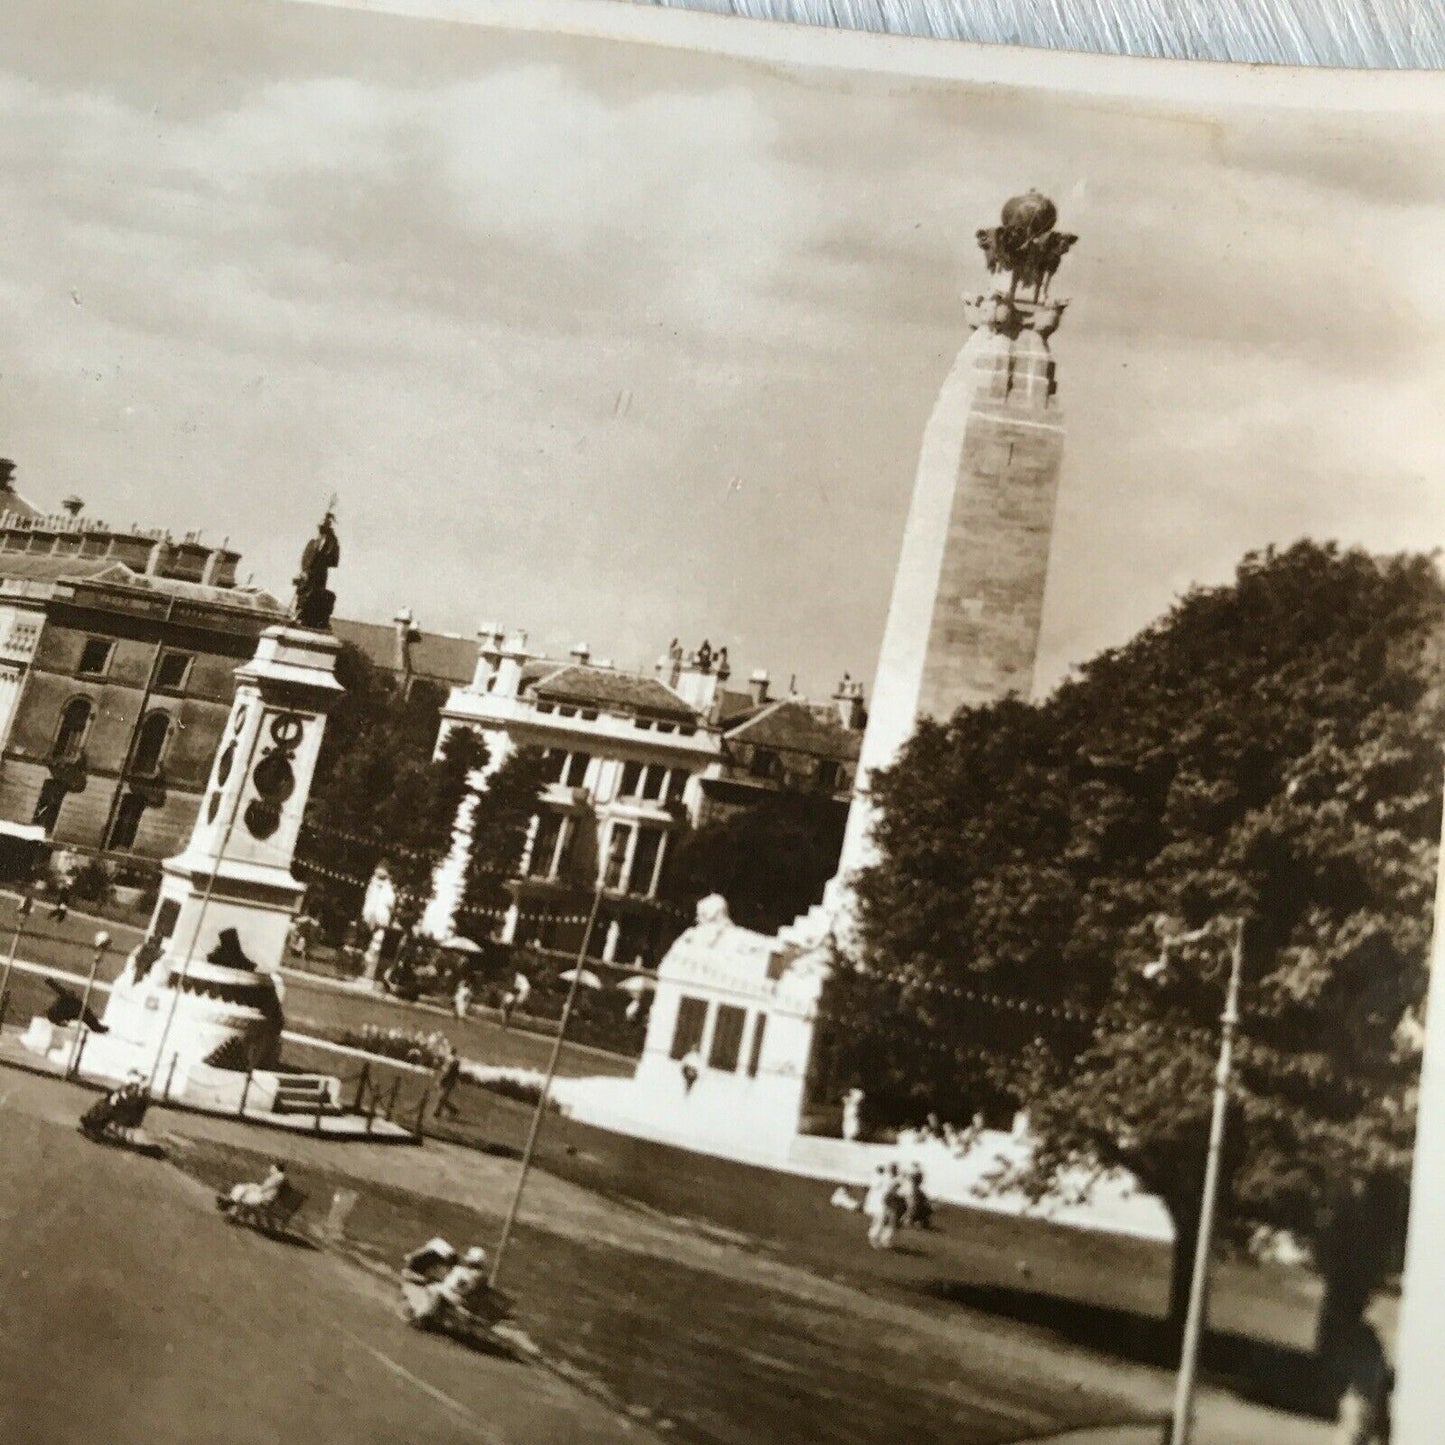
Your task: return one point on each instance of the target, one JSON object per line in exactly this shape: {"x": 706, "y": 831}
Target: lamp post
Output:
{"x": 102, "y": 942}
{"x": 22, "y": 912}
{"x": 545, "y": 1095}
{"x": 1182, "y": 1420}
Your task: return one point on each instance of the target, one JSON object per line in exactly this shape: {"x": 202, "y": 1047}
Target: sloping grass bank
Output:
{"x": 712, "y": 1358}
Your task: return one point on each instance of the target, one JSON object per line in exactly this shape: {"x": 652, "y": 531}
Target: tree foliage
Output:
{"x": 1269, "y": 750}
{"x": 770, "y": 861}
{"x": 382, "y": 794}
{"x": 499, "y": 834}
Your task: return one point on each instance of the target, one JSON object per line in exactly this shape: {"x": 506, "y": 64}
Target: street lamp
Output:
{"x": 102, "y": 942}
{"x": 1182, "y": 1420}
{"x": 579, "y": 968}
{"x": 22, "y": 912}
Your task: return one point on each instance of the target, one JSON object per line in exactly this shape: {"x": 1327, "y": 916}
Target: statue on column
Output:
{"x": 1025, "y": 244}
{"x": 314, "y": 600}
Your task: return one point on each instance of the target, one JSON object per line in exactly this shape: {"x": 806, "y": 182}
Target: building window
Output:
{"x": 95, "y": 657}
{"x": 74, "y": 726}
{"x": 631, "y": 785}
{"x": 755, "y": 1053}
{"x": 174, "y": 671}
{"x": 150, "y": 745}
{"x": 654, "y": 786}
{"x": 764, "y": 764}
{"x": 615, "y": 874}
{"x": 569, "y": 769}
{"x": 47, "y": 806}
{"x": 644, "y": 861}
{"x": 727, "y": 1038}
{"x": 544, "y": 845}
{"x": 127, "y": 821}
{"x": 691, "y": 1020}
{"x": 828, "y": 775}
{"x": 166, "y": 916}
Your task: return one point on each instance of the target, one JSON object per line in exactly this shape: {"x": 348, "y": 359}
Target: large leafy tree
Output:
{"x": 770, "y": 861}
{"x": 383, "y": 793}
{"x": 504, "y": 811}
{"x": 1269, "y": 751}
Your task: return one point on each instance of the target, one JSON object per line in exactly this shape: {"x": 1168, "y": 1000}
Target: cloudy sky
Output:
{"x": 617, "y": 342}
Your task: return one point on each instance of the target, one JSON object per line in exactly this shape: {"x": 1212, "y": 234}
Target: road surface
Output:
{"x": 130, "y": 1312}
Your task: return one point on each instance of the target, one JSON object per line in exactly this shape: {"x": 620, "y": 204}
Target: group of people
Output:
{"x": 895, "y": 1199}
{"x": 957, "y": 1141}
{"x": 447, "y": 1278}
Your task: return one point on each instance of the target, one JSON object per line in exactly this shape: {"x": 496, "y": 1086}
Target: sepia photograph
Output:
{"x": 712, "y": 733}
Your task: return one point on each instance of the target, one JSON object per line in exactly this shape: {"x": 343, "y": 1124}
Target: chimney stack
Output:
{"x": 7, "y": 475}
{"x": 849, "y": 700}
{"x": 511, "y": 657}
{"x": 406, "y": 634}
{"x": 758, "y": 685}
{"x": 581, "y": 654}
{"x": 489, "y": 654}
{"x": 72, "y": 505}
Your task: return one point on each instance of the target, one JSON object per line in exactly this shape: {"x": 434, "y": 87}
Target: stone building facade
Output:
{"x": 117, "y": 657}
{"x": 636, "y": 759}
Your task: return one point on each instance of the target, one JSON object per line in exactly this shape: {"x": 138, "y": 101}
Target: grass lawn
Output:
{"x": 713, "y": 1359}
{"x": 1099, "y": 1289}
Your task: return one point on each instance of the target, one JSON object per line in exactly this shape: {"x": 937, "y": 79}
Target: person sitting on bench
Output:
{"x": 430, "y": 1263}
{"x": 256, "y": 1196}
{"x": 463, "y": 1288}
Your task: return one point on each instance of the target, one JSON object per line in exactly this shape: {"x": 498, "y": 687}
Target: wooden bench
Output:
{"x": 272, "y": 1218}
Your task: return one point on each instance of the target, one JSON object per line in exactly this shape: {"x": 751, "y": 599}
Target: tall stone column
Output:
{"x": 963, "y": 622}
{"x": 963, "y": 628}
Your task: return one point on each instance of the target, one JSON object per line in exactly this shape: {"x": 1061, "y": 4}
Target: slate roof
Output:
{"x": 435, "y": 656}
{"x": 241, "y": 599}
{"x": 45, "y": 568}
{"x": 605, "y": 687}
{"x": 789, "y": 725}
{"x": 733, "y": 705}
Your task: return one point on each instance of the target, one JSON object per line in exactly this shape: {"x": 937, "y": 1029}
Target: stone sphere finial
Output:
{"x": 1032, "y": 214}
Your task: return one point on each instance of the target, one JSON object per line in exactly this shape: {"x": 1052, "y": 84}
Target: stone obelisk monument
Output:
{"x": 737, "y": 1007}
{"x": 968, "y": 596}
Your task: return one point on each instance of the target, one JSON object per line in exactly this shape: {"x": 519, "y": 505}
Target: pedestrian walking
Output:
{"x": 60, "y": 903}
{"x": 462, "y": 1002}
{"x": 852, "y": 1114}
{"x": 691, "y": 1066}
{"x": 448, "y": 1077}
{"x": 515, "y": 997}
{"x": 917, "y": 1207}
{"x": 1364, "y": 1410}
{"x": 875, "y": 1210}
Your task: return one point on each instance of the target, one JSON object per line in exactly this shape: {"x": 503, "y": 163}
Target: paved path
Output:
{"x": 129, "y": 1312}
